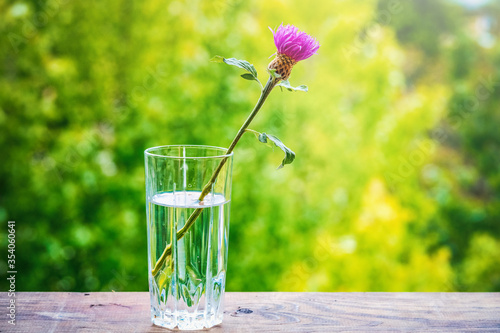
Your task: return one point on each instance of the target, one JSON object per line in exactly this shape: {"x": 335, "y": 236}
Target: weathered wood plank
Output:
{"x": 265, "y": 312}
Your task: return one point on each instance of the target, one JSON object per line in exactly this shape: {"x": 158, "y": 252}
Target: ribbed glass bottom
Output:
{"x": 188, "y": 291}
{"x": 184, "y": 320}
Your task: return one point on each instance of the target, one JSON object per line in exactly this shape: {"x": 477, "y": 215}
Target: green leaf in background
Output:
{"x": 289, "y": 154}
{"x": 285, "y": 84}
{"x": 375, "y": 169}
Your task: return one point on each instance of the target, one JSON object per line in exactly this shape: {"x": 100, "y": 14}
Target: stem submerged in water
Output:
{"x": 271, "y": 83}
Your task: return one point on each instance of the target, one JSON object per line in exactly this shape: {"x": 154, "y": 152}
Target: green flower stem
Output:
{"x": 271, "y": 83}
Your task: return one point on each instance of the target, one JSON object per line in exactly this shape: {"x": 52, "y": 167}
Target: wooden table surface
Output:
{"x": 123, "y": 312}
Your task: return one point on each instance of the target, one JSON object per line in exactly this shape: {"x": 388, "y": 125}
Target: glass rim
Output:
{"x": 148, "y": 152}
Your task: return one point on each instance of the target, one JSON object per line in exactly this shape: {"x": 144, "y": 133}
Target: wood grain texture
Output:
{"x": 122, "y": 312}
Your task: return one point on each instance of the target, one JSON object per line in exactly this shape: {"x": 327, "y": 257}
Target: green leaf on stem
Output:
{"x": 289, "y": 154}
{"x": 285, "y": 84}
{"x": 248, "y": 76}
{"x": 243, "y": 64}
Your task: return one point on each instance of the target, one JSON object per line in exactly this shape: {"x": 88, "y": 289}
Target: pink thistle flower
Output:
{"x": 293, "y": 46}
{"x": 294, "y": 43}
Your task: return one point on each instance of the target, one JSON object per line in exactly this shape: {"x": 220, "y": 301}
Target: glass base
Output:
{"x": 184, "y": 320}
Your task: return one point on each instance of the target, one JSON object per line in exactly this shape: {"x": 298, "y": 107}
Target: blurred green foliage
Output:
{"x": 396, "y": 185}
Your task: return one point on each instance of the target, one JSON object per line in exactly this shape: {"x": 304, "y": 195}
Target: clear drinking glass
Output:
{"x": 187, "y": 269}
